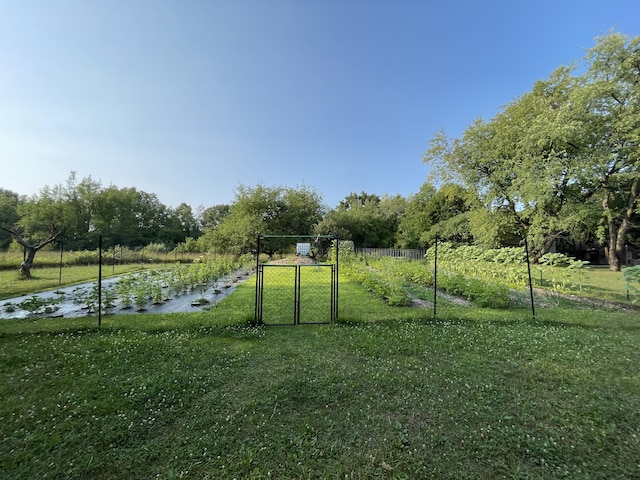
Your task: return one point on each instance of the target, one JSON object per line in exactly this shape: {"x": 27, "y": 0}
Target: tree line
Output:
{"x": 560, "y": 164}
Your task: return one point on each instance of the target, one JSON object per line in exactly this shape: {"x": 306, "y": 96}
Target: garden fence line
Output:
{"x": 410, "y": 253}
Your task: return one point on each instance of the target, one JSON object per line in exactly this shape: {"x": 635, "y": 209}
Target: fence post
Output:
{"x": 435, "y": 279}
{"x": 337, "y": 280}
{"x": 256, "y": 316}
{"x": 60, "y": 275}
{"x": 526, "y": 249}
{"x": 100, "y": 280}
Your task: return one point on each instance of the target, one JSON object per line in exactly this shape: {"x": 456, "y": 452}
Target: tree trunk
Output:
{"x": 31, "y": 250}
{"x": 25, "y": 266}
{"x": 612, "y": 252}
{"x": 545, "y": 247}
{"x": 618, "y": 233}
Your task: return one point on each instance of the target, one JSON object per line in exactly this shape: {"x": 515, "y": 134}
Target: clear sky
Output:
{"x": 188, "y": 99}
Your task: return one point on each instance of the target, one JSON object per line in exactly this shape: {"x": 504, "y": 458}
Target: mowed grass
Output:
{"x": 592, "y": 282}
{"x": 385, "y": 393}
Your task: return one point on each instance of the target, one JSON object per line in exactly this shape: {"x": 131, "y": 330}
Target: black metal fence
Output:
{"x": 296, "y": 294}
{"x": 300, "y": 288}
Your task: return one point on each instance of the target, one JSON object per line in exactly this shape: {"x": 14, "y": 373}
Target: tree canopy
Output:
{"x": 366, "y": 219}
{"x": 562, "y": 159}
{"x": 84, "y": 209}
{"x": 263, "y": 210}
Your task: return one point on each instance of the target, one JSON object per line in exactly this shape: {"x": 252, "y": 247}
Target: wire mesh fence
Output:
{"x": 296, "y": 294}
{"x": 302, "y": 286}
{"x": 316, "y": 297}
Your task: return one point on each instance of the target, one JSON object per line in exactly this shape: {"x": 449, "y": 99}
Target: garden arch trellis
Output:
{"x": 296, "y": 292}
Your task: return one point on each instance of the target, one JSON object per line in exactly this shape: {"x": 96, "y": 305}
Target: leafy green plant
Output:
{"x": 108, "y": 299}
{"x": 631, "y": 277}
{"x": 92, "y": 299}
{"x": 124, "y": 291}
{"x": 578, "y": 269}
{"x": 375, "y": 282}
{"x": 141, "y": 294}
{"x": 555, "y": 260}
{"x": 32, "y": 304}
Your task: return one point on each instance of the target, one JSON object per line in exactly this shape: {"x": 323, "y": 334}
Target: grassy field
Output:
{"x": 597, "y": 282}
{"x": 11, "y": 260}
{"x": 386, "y": 393}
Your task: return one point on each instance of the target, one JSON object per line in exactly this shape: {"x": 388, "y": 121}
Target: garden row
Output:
{"x": 508, "y": 266}
{"x": 384, "y": 277}
{"x": 141, "y": 289}
{"x": 484, "y": 276}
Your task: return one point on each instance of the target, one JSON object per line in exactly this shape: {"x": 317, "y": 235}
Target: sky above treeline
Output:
{"x": 189, "y": 99}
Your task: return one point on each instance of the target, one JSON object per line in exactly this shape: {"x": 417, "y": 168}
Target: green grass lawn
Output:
{"x": 385, "y": 393}
{"x": 593, "y": 281}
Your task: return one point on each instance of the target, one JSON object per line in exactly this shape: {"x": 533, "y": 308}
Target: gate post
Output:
{"x": 257, "y": 315}
{"x": 296, "y": 296}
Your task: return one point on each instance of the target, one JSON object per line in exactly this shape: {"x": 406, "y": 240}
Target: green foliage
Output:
{"x": 84, "y": 209}
{"x": 631, "y": 277}
{"x": 481, "y": 293}
{"x": 376, "y": 282}
{"x": 8, "y": 215}
{"x": 430, "y": 212}
{"x": 560, "y": 160}
{"x": 367, "y": 220}
{"x": 578, "y": 269}
{"x": 555, "y": 260}
{"x": 265, "y": 210}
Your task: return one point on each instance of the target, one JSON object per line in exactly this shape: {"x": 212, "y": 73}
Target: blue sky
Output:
{"x": 188, "y": 99}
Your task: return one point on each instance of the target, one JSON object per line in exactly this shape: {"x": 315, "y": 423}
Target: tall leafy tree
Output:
{"x": 549, "y": 153}
{"x": 266, "y": 210}
{"x": 523, "y": 160}
{"x": 36, "y": 228}
{"x": 366, "y": 219}
{"x": 432, "y": 212}
{"x": 212, "y": 216}
{"x": 83, "y": 209}
{"x": 183, "y": 224}
{"x": 612, "y": 99}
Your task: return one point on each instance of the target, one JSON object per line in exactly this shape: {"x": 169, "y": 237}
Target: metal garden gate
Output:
{"x": 296, "y": 293}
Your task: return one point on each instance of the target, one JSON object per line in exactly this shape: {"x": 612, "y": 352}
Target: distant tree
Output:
{"x": 8, "y": 215}
{"x": 358, "y": 200}
{"x": 366, "y": 219}
{"x": 38, "y": 225}
{"x": 180, "y": 225}
{"x": 83, "y": 210}
{"x": 213, "y": 216}
{"x": 31, "y": 246}
{"x": 266, "y": 210}
{"x": 431, "y": 212}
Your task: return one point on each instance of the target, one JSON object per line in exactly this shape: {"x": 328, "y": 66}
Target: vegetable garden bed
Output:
{"x": 182, "y": 288}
